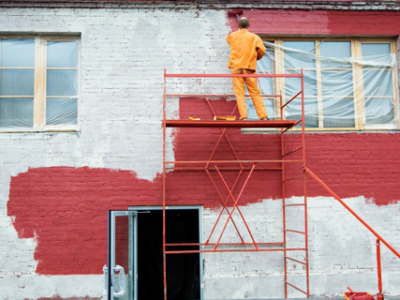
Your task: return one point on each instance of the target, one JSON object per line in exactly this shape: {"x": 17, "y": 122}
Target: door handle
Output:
{"x": 121, "y": 281}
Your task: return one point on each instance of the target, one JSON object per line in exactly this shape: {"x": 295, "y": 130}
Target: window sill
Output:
{"x": 322, "y": 130}
{"x": 41, "y": 130}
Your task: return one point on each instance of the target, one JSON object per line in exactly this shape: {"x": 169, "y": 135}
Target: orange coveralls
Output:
{"x": 246, "y": 49}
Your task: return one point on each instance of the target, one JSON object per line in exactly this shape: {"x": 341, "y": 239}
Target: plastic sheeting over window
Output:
{"x": 62, "y": 79}
{"x": 22, "y": 100}
{"x": 345, "y": 87}
{"x": 17, "y": 83}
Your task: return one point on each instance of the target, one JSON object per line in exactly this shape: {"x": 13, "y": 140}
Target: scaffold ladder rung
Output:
{"x": 298, "y": 261}
{"x": 292, "y": 151}
{"x": 295, "y": 287}
{"x": 293, "y": 178}
{"x": 295, "y": 231}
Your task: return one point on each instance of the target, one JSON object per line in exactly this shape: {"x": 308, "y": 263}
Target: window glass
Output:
{"x": 18, "y": 53}
{"x": 332, "y": 54}
{"x": 293, "y": 111}
{"x": 337, "y": 83}
{"x": 62, "y": 83}
{"x": 17, "y": 82}
{"x": 378, "y": 85}
{"x": 338, "y": 112}
{"x": 16, "y": 112}
{"x": 375, "y": 49}
{"x": 296, "y": 55}
{"x": 378, "y": 82}
{"x": 301, "y": 55}
{"x": 293, "y": 85}
{"x": 61, "y": 111}
{"x": 379, "y": 111}
{"x": 62, "y": 54}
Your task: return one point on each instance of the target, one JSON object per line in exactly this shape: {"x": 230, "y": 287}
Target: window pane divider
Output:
{"x": 65, "y": 97}
{"x": 53, "y": 68}
{"x": 16, "y": 96}
{"x": 17, "y": 68}
{"x": 40, "y": 83}
{"x": 279, "y": 82}
{"x": 393, "y": 50}
{"x": 335, "y": 69}
{"x": 358, "y": 86}
{"x": 338, "y": 96}
{"x": 298, "y": 69}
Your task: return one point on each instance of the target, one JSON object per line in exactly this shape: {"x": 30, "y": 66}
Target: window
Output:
{"x": 38, "y": 83}
{"x": 349, "y": 84}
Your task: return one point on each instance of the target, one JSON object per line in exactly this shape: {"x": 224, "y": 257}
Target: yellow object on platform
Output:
{"x": 228, "y": 118}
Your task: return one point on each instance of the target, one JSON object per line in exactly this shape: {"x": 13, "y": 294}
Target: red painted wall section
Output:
{"x": 65, "y": 208}
{"x": 320, "y": 22}
{"x": 352, "y": 164}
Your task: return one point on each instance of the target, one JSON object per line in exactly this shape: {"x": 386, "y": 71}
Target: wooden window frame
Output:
{"x": 40, "y": 73}
{"x": 357, "y": 72}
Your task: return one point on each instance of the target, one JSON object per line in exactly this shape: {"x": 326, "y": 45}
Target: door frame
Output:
{"x": 133, "y": 247}
{"x": 111, "y": 250}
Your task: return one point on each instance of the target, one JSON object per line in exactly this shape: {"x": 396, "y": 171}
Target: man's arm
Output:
{"x": 260, "y": 48}
{"x": 228, "y": 39}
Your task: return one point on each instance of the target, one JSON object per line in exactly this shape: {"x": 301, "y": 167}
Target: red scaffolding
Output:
{"x": 250, "y": 165}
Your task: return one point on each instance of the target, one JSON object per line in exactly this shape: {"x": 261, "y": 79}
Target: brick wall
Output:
{"x": 57, "y": 187}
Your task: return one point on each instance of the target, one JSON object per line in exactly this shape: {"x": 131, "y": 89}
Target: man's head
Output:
{"x": 244, "y": 23}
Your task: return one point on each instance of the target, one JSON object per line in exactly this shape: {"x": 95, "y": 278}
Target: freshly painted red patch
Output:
{"x": 320, "y": 22}
{"x": 66, "y": 208}
{"x": 352, "y": 164}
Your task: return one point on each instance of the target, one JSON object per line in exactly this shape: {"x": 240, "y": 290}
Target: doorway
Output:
{"x": 184, "y": 271}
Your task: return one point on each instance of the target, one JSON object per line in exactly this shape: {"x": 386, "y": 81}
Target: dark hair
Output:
{"x": 244, "y": 22}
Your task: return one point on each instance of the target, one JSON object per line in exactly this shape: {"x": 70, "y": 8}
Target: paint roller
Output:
{"x": 235, "y": 12}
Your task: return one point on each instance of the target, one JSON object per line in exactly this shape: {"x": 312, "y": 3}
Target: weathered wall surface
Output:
{"x": 57, "y": 187}
{"x": 123, "y": 56}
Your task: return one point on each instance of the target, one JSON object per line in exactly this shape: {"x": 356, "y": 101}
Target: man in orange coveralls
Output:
{"x": 246, "y": 49}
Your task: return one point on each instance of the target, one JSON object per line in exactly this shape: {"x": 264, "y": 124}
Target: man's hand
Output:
{"x": 260, "y": 53}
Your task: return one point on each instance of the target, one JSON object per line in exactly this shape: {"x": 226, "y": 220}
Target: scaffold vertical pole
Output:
{"x": 164, "y": 183}
{"x": 303, "y": 133}
{"x": 283, "y": 198}
{"x": 379, "y": 269}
